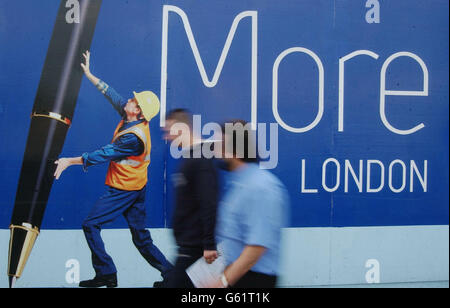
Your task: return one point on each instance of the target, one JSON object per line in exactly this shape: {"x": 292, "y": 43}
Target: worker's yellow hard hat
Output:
{"x": 148, "y": 102}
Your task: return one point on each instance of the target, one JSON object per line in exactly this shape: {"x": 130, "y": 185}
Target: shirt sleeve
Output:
{"x": 124, "y": 146}
{"x": 207, "y": 188}
{"x": 116, "y": 100}
{"x": 266, "y": 216}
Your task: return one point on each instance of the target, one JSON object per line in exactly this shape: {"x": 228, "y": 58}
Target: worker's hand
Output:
{"x": 63, "y": 164}
{"x": 210, "y": 256}
{"x": 85, "y": 66}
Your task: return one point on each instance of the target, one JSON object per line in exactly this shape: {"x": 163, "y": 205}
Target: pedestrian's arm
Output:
{"x": 248, "y": 258}
{"x": 263, "y": 223}
{"x": 206, "y": 184}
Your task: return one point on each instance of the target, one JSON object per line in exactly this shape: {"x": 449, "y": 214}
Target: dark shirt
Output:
{"x": 196, "y": 198}
{"x": 124, "y": 146}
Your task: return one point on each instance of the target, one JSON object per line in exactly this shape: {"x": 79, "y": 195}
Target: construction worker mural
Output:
{"x": 128, "y": 156}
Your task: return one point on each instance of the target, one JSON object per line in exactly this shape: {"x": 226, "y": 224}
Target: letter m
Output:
{"x": 206, "y": 81}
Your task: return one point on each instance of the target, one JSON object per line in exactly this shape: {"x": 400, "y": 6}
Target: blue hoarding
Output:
{"x": 359, "y": 93}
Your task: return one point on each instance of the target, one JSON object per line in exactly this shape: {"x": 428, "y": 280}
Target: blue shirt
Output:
{"x": 124, "y": 146}
{"x": 252, "y": 212}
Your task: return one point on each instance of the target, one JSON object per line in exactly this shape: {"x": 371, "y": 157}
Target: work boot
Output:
{"x": 158, "y": 284}
{"x": 161, "y": 284}
{"x": 110, "y": 281}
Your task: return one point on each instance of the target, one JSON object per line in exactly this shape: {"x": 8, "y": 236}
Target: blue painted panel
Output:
{"x": 126, "y": 53}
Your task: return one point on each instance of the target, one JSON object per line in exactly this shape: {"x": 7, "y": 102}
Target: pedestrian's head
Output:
{"x": 178, "y": 124}
{"x": 238, "y": 144}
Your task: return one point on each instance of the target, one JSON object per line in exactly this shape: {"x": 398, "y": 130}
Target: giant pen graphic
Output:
{"x": 51, "y": 116}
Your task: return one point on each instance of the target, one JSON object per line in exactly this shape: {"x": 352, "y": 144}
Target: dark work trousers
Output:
{"x": 186, "y": 257}
{"x": 256, "y": 280}
{"x": 130, "y": 204}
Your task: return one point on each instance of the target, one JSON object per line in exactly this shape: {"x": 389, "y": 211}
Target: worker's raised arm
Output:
{"x": 86, "y": 68}
{"x": 116, "y": 100}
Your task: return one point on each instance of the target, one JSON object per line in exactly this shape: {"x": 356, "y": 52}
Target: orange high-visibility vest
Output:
{"x": 131, "y": 172}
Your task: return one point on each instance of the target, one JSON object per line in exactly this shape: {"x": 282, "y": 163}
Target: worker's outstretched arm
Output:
{"x": 116, "y": 100}
{"x": 87, "y": 70}
{"x": 64, "y": 163}
{"x": 124, "y": 146}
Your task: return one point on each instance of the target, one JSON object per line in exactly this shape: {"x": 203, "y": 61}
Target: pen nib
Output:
{"x": 12, "y": 281}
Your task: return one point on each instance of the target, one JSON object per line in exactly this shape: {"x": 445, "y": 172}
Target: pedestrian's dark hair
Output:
{"x": 180, "y": 115}
{"x": 238, "y": 135}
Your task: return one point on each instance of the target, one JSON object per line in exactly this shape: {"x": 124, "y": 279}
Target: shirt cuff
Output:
{"x": 102, "y": 86}
{"x": 210, "y": 246}
{"x": 84, "y": 158}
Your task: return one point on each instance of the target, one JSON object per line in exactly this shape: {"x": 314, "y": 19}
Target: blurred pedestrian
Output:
{"x": 196, "y": 198}
{"x": 250, "y": 215}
